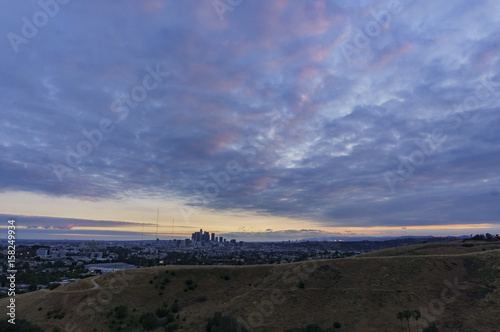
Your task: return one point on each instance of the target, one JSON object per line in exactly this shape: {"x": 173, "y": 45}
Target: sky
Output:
{"x": 258, "y": 120}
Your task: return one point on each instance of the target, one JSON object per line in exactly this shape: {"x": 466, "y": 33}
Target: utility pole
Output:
{"x": 142, "y": 239}
{"x": 157, "y": 216}
{"x": 157, "y": 239}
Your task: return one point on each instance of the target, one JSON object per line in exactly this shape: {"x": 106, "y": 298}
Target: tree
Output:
{"x": 416, "y": 314}
{"x": 54, "y": 285}
{"x": 400, "y": 316}
{"x": 407, "y": 314}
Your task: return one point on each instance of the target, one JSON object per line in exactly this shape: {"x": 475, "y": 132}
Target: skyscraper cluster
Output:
{"x": 201, "y": 237}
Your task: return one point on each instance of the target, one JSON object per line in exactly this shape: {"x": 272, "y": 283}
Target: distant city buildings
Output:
{"x": 42, "y": 252}
{"x": 202, "y": 238}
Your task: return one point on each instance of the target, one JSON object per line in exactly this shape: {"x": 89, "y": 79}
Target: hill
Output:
{"x": 453, "y": 284}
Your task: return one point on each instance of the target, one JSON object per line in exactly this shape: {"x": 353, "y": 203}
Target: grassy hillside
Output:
{"x": 363, "y": 293}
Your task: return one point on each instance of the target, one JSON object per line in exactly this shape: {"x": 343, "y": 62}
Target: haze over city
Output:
{"x": 260, "y": 122}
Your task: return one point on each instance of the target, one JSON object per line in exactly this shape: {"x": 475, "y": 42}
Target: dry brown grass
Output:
{"x": 364, "y": 293}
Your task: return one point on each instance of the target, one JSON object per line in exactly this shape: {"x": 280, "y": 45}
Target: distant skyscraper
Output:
{"x": 204, "y": 238}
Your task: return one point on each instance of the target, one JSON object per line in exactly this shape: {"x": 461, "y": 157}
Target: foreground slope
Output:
{"x": 455, "y": 286}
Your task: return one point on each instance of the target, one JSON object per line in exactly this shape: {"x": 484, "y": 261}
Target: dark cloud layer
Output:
{"x": 35, "y": 222}
{"x": 317, "y": 135}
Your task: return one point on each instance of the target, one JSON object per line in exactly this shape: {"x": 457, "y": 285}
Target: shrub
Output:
{"x": 201, "y": 298}
{"x": 223, "y": 323}
{"x": 21, "y": 325}
{"x": 59, "y": 316}
{"x": 161, "y": 312}
{"x": 148, "y": 321}
{"x": 431, "y": 328}
{"x": 121, "y": 312}
{"x": 54, "y": 285}
{"x": 172, "y": 327}
{"x": 313, "y": 328}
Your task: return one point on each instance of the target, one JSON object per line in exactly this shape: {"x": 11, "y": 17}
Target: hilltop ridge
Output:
{"x": 363, "y": 293}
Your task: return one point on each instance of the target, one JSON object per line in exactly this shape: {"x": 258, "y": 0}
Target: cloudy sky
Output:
{"x": 260, "y": 120}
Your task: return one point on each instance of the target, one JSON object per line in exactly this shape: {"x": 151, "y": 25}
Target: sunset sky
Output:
{"x": 255, "y": 119}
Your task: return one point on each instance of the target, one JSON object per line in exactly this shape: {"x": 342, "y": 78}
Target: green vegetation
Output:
{"x": 220, "y": 323}
{"x": 431, "y": 328}
{"x": 21, "y": 325}
{"x": 149, "y": 321}
{"x": 161, "y": 312}
{"x": 54, "y": 285}
{"x": 408, "y": 314}
{"x": 121, "y": 312}
{"x": 33, "y": 277}
{"x": 316, "y": 328}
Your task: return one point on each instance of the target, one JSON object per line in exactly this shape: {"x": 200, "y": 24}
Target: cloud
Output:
{"x": 269, "y": 89}
{"x": 286, "y": 234}
{"x": 52, "y": 223}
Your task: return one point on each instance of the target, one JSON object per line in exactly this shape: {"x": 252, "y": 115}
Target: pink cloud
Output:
{"x": 391, "y": 55}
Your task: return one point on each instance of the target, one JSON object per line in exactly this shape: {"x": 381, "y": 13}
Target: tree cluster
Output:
{"x": 485, "y": 237}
